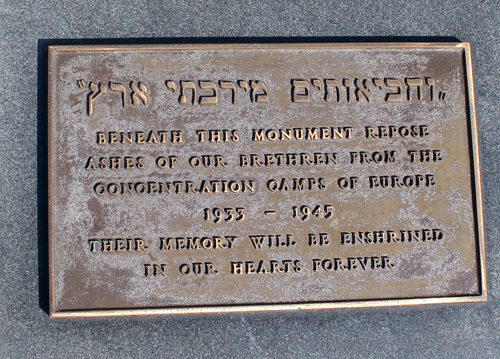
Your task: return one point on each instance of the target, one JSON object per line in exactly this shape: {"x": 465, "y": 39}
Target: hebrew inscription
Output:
{"x": 200, "y": 177}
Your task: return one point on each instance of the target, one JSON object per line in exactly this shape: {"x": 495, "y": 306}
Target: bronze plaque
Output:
{"x": 203, "y": 178}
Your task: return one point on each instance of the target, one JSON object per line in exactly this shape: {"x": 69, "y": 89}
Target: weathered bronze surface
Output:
{"x": 253, "y": 177}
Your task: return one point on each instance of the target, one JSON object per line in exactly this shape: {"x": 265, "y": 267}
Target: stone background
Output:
{"x": 26, "y": 331}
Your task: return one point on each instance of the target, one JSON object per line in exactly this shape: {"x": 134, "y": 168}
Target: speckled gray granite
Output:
{"x": 25, "y": 329}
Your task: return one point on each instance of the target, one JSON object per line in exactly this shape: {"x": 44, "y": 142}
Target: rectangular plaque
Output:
{"x": 204, "y": 178}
